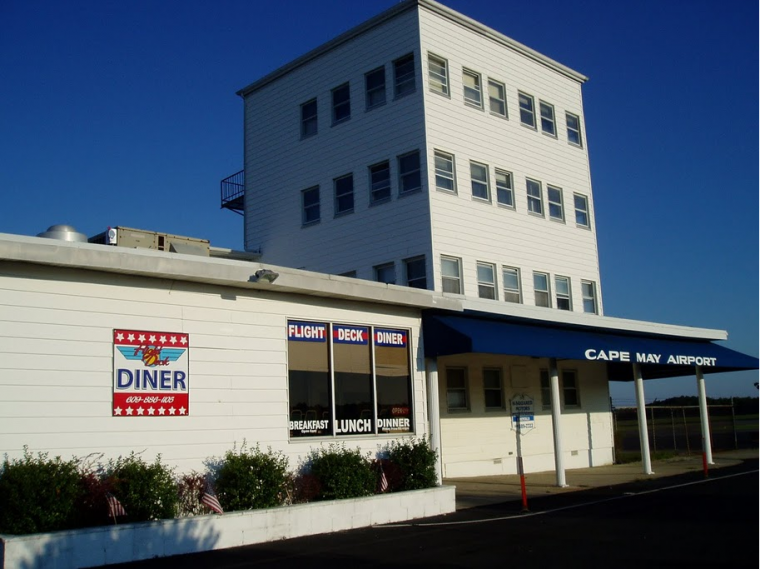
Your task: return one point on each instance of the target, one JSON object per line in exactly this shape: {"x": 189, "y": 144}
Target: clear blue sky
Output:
{"x": 125, "y": 113}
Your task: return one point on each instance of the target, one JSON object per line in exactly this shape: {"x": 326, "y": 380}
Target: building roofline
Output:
{"x": 395, "y": 11}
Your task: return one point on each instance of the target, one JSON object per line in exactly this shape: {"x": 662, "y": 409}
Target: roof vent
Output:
{"x": 64, "y": 233}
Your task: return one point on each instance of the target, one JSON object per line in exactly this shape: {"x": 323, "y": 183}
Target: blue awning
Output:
{"x": 659, "y": 356}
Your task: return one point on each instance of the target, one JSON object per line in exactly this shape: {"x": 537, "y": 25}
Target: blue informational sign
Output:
{"x": 307, "y": 331}
{"x": 350, "y": 334}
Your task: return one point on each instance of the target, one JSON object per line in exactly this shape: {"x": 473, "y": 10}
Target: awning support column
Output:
{"x": 703, "y": 417}
{"x": 559, "y": 461}
{"x": 434, "y": 415}
{"x": 642, "y": 415}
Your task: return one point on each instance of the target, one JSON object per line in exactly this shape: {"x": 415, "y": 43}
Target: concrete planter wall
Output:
{"x": 94, "y": 547}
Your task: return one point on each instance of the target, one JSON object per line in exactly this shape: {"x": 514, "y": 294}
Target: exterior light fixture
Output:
{"x": 265, "y": 275}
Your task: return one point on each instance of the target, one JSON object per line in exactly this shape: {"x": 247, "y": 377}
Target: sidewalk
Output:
{"x": 483, "y": 490}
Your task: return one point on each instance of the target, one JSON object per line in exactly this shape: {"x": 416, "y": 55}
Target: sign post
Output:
{"x": 523, "y": 421}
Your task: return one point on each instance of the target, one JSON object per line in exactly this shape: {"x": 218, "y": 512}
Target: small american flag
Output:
{"x": 210, "y": 500}
{"x": 383, "y": 481}
{"x": 114, "y": 506}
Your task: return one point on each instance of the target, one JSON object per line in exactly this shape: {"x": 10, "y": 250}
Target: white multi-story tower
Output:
{"x": 425, "y": 149}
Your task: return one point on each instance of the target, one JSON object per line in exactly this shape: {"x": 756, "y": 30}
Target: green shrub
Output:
{"x": 416, "y": 461}
{"x": 342, "y": 473}
{"x": 39, "y": 494}
{"x": 252, "y": 479}
{"x": 146, "y": 491}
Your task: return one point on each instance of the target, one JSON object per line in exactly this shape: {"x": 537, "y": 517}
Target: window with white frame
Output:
{"x": 562, "y": 293}
{"x": 486, "y": 280}
{"x": 403, "y": 76}
{"x": 535, "y": 197}
{"x": 444, "y": 172}
{"x": 568, "y": 380}
{"x": 479, "y": 178}
{"x": 556, "y": 209}
{"x": 497, "y": 98}
{"x": 374, "y": 88}
{"x": 505, "y": 194}
{"x": 588, "y": 291}
{"x": 438, "y": 74}
{"x": 451, "y": 274}
{"x": 341, "y": 103}
{"x": 541, "y": 291}
{"x": 573, "y": 129}
{"x": 548, "y": 123}
{"x": 344, "y": 194}
{"x": 380, "y": 182}
{"x": 510, "y": 278}
{"x": 527, "y": 109}
{"x": 581, "y": 210}
{"x": 310, "y": 206}
{"x": 492, "y": 388}
{"x": 409, "y": 172}
{"x": 309, "y": 118}
{"x": 473, "y": 88}
{"x": 385, "y": 273}
{"x": 416, "y": 273}
{"x": 456, "y": 389}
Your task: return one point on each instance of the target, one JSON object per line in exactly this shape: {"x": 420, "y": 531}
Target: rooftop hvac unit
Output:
{"x": 140, "y": 239}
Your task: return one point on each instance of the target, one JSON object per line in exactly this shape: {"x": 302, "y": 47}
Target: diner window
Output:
{"x": 510, "y": 277}
{"x": 341, "y": 104}
{"x": 581, "y": 210}
{"x": 456, "y": 389}
{"x": 393, "y": 381}
{"x": 527, "y": 110}
{"x": 409, "y": 172}
{"x": 486, "y": 280}
{"x": 309, "y": 118}
{"x": 588, "y": 291}
{"x": 573, "y": 129}
{"x": 562, "y": 293}
{"x": 309, "y": 380}
{"x": 541, "y": 290}
{"x": 352, "y": 380}
{"x": 310, "y": 206}
{"x": 473, "y": 89}
{"x": 548, "y": 123}
{"x": 438, "y": 74}
{"x": 403, "y": 76}
{"x": 344, "y": 194}
{"x": 451, "y": 274}
{"x": 535, "y": 197}
{"x": 556, "y": 207}
{"x": 416, "y": 274}
{"x": 479, "y": 179}
{"x": 505, "y": 194}
{"x": 497, "y": 99}
{"x": 445, "y": 179}
{"x": 380, "y": 182}
{"x": 492, "y": 388}
{"x": 385, "y": 273}
{"x": 374, "y": 88}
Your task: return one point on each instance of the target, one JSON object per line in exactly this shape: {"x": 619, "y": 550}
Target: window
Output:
{"x": 562, "y": 292}
{"x": 486, "y": 281}
{"x": 374, "y": 88}
{"x": 438, "y": 75}
{"x": 510, "y": 277}
{"x": 548, "y": 125}
{"x": 588, "y": 291}
{"x": 546, "y": 389}
{"x": 403, "y": 76}
{"x": 535, "y": 197}
{"x": 573, "y": 129}
{"x": 570, "y": 389}
{"x": 492, "y": 388}
{"x": 309, "y": 379}
{"x": 505, "y": 195}
{"x": 581, "y": 210}
{"x": 416, "y": 276}
{"x": 541, "y": 289}
{"x": 473, "y": 91}
{"x": 409, "y": 172}
{"x": 479, "y": 179}
{"x": 344, "y": 194}
{"x": 497, "y": 99}
{"x": 380, "y": 182}
{"x": 341, "y": 104}
{"x": 556, "y": 209}
{"x": 451, "y": 274}
{"x": 386, "y": 273}
{"x": 310, "y": 205}
{"x": 309, "y": 118}
{"x": 444, "y": 172}
{"x": 456, "y": 389}
{"x": 527, "y": 110}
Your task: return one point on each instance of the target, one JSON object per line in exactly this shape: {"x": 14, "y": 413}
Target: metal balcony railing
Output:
{"x": 233, "y": 192}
